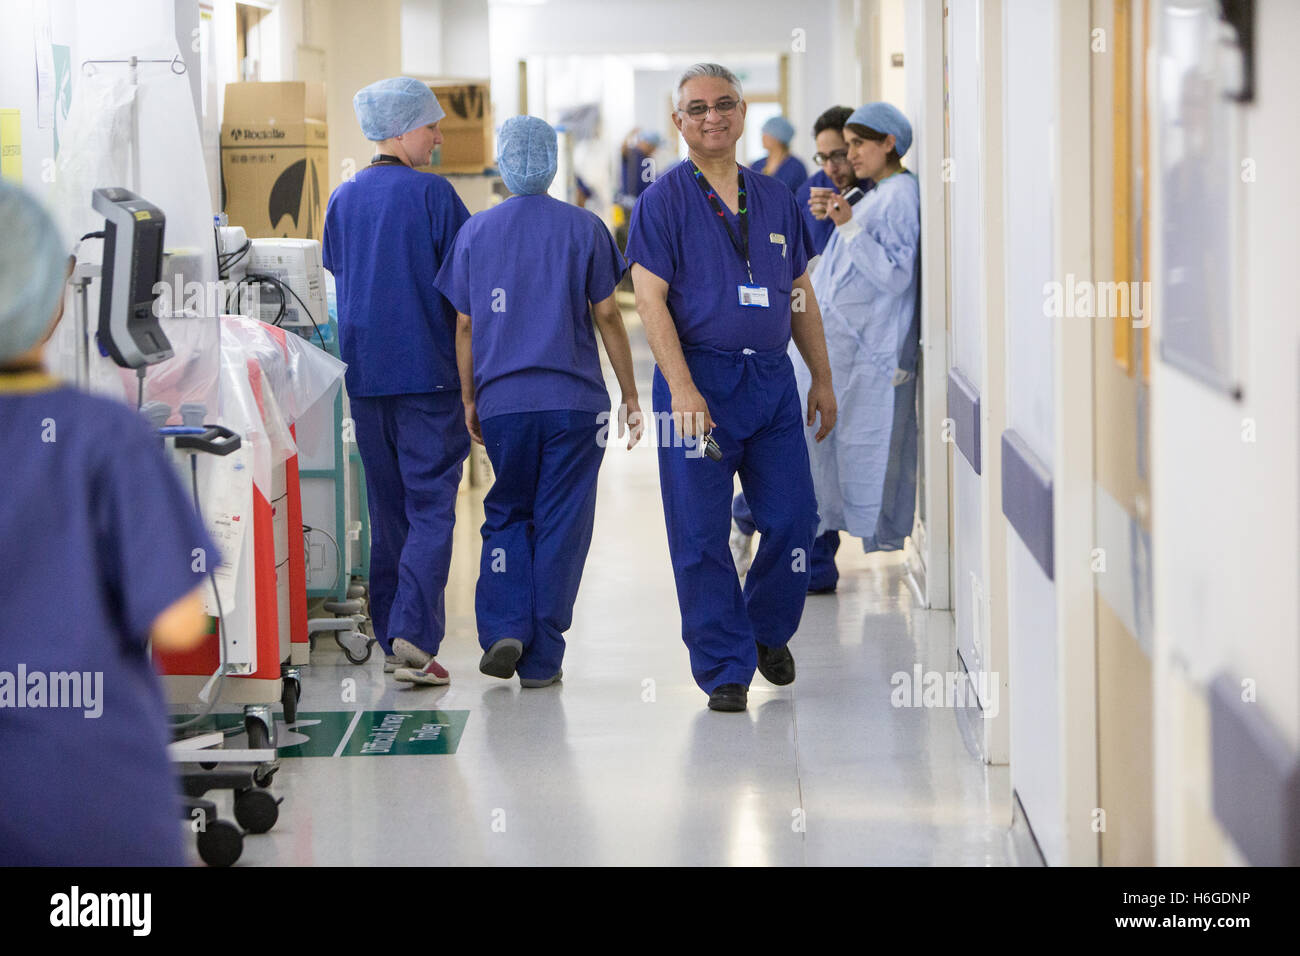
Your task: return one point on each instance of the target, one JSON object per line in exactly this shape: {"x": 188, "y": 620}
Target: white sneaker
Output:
{"x": 405, "y": 654}
{"x": 741, "y": 549}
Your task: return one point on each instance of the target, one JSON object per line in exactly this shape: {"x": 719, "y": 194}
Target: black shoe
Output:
{"x": 776, "y": 664}
{"x": 499, "y": 660}
{"x": 729, "y": 697}
{"x": 826, "y": 590}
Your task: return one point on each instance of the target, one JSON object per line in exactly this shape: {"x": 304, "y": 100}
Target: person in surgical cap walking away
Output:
{"x": 528, "y": 278}
{"x": 778, "y": 163}
{"x": 387, "y": 231}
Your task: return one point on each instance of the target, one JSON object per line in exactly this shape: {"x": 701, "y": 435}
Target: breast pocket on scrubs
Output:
{"x": 777, "y": 268}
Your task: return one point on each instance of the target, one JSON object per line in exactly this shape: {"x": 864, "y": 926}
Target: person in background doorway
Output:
{"x": 527, "y": 277}
{"x": 778, "y": 163}
{"x": 636, "y": 172}
{"x": 718, "y": 254}
{"x": 102, "y": 547}
{"x": 386, "y": 233}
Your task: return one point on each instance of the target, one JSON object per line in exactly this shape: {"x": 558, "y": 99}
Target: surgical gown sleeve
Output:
{"x": 884, "y": 247}
{"x": 649, "y": 238}
{"x": 151, "y": 546}
{"x": 606, "y": 267}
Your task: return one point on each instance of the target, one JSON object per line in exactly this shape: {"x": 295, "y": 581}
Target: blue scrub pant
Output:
{"x": 753, "y": 398}
{"x": 412, "y": 447}
{"x": 538, "y": 518}
{"x": 825, "y": 575}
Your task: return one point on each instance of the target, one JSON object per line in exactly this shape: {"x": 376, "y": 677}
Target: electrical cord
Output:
{"x": 265, "y": 280}
{"x": 225, "y": 261}
{"x": 307, "y": 530}
{"x": 221, "y": 614}
{"x": 283, "y": 287}
{"x": 92, "y": 235}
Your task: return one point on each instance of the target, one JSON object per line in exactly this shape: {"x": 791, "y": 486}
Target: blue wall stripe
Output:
{"x": 964, "y": 410}
{"x": 1256, "y": 778}
{"x": 1027, "y": 498}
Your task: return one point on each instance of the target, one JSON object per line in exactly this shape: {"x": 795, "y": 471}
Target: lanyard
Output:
{"x": 740, "y": 243}
{"x": 383, "y": 159}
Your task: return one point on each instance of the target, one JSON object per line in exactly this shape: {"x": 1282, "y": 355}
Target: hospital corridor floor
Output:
{"x": 622, "y": 763}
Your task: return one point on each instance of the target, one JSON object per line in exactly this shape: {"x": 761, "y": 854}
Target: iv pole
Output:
{"x": 85, "y": 272}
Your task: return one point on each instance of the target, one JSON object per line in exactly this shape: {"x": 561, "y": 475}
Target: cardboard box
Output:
{"x": 274, "y": 159}
{"x": 467, "y": 141}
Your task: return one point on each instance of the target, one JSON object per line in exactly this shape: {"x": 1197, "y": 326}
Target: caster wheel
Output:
{"x": 259, "y": 737}
{"x": 263, "y": 776}
{"x": 220, "y": 843}
{"x": 349, "y": 653}
{"x": 289, "y": 697}
{"x": 208, "y": 766}
{"x": 256, "y": 810}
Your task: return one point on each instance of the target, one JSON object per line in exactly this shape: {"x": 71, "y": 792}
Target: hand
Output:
{"x": 691, "y": 413}
{"x": 630, "y": 420}
{"x": 818, "y": 198}
{"x": 821, "y": 399}
{"x": 471, "y": 422}
{"x": 839, "y": 210}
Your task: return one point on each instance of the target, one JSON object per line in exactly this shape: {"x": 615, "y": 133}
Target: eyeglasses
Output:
{"x": 697, "y": 111}
{"x": 840, "y": 157}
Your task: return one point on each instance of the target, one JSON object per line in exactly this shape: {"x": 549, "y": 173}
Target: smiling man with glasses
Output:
{"x": 719, "y": 260}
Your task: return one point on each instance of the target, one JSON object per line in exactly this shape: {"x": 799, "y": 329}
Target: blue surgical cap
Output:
{"x": 884, "y": 118}
{"x": 526, "y": 155}
{"x": 395, "y": 106}
{"x": 33, "y": 263}
{"x": 781, "y": 128}
{"x": 651, "y": 139}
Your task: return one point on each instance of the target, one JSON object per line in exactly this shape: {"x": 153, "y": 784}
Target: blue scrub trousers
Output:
{"x": 412, "y": 447}
{"x": 754, "y": 400}
{"x": 538, "y": 518}
{"x": 825, "y": 575}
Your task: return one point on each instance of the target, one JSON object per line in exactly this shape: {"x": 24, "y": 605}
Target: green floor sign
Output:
{"x": 360, "y": 733}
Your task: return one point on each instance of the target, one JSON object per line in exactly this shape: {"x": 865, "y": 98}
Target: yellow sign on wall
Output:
{"x": 11, "y": 145}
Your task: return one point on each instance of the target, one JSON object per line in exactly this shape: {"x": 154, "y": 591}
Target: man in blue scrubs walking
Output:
{"x": 386, "y": 233}
{"x": 719, "y": 260}
{"x": 526, "y": 278}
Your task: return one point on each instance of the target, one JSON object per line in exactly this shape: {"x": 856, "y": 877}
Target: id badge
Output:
{"x": 753, "y": 295}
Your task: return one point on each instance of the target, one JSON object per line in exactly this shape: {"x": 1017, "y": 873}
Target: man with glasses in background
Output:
{"x": 719, "y": 257}
{"x": 834, "y": 177}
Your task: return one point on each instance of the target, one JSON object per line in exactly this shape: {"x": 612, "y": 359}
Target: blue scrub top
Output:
{"x": 675, "y": 234}
{"x": 524, "y": 271}
{"x": 386, "y": 233}
{"x": 106, "y": 532}
{"x": 792, "y": 171}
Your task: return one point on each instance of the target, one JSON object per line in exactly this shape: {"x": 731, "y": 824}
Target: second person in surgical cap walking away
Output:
{"x": 386, "y": 232}
{"x": 527, "y": 277}
{"x": 778, "y": 163}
